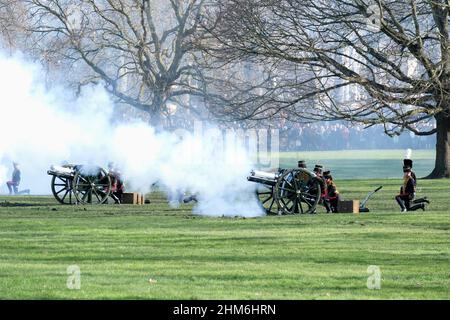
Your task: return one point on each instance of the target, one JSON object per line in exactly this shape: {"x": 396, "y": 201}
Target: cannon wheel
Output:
{"x": 265, "y": 196}
{"x": 297, "y": 191}
{"x": 91, "y": 185}
{"x": 62, "y": 190}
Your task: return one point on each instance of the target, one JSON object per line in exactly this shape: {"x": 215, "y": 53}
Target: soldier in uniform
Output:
{"x": 407, "y": 193}
{"x": 318, "y": 172}
{"x": 116, "y": 183}
{"x": 332, "y": 194}
{"x": 408, "y": 163}
{"x": 13, "y": 184}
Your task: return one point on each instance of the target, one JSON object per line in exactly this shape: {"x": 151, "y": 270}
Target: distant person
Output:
{"x": 117, "y": 184}
{"x": 407, "y": 162}
{"x": 318, "y": 176}
{"x": 318, "y": 171}
{"x": 13, "y": 184}
{"x": 332, "y": 197}
{"x": 407, "y": 193}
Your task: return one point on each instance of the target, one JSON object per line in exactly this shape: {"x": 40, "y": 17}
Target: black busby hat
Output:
{"x": 301, "y": 164}
{"x": 408, "y": 163}
{"x": 318, "y": 168}
{"x": 327, "y": 173}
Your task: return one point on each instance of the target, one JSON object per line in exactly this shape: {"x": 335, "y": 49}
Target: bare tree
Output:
{"x": 143, "y": 50}
{"x": 12, "y": 24}
{"x": 371, "y": 62}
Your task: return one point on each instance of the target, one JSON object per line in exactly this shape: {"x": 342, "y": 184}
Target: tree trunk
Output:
{"x": 442, "y": 165}
{"x": 155, "y": 113}
{"x": 155, "y": 120}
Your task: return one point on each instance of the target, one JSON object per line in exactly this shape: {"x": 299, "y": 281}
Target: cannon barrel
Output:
{"x": 263, "y": 177}
{"x": 61, "y": 171}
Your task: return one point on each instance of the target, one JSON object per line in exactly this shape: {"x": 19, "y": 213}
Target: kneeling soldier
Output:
{"x": 318, "y": 177}
{"x": 117, "y": 184}
{"x": 407, "y": 193}
{"x": 332, "y": 195}
{"x": 13, "y": 184}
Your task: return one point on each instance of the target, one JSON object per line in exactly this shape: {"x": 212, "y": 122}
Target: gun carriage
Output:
{"x": 80, "y": 184}
{"x": 288, "y": 191}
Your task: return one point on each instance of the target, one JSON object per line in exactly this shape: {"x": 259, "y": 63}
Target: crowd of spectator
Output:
{"x": 338, "y": 135}
{"x": 342, "y": 136}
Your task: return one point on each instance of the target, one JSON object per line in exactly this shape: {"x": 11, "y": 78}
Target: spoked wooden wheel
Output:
{"x": 265, "y": 196}
{"x": 91, "y": 185}
{"x": 62, "y": 190}
{"x": 297, "y": 191}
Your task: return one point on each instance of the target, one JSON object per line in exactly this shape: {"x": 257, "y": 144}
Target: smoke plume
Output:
{"x": 42, "y": 127}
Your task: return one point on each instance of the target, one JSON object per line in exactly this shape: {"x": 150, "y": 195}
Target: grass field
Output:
{"x": 120, "y": 248}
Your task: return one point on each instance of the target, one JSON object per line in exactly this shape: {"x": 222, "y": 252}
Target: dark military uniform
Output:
{"x": 407, "y": 193}
{"x": 15, "y": 181}
{"x": 331, "y": 199}
{"x": 117, "y": 184}
{"x": 321, "y": 182}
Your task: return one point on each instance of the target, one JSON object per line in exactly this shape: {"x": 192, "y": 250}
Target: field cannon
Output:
{"x": 288, "y": 191}
{"x": 80, "y": 184}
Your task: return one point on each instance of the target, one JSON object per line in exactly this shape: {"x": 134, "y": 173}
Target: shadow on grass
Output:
{"x": 8, "y": 204}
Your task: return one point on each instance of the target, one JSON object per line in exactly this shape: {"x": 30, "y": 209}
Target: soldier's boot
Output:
{"x": 422, "y": 200}
{"x": 115, "y": 198}
{"x": 417, "y": 207}
{"x": 401, "y": 203}
{"x": 327, "y": 206}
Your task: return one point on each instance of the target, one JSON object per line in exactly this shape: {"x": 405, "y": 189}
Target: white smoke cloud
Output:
{"x": 43, "y": 127}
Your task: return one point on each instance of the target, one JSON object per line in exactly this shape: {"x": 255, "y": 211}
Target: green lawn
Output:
{"x": 119, "y": 248}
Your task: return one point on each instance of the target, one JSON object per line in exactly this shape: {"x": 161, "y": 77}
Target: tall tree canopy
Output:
{"x": 372, "y": 62}
{"x": 144, "y": 50}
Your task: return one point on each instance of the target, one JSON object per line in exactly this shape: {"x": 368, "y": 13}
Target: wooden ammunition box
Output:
{"x": 133, "y": 198}
{"x": 348, "y": 206}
